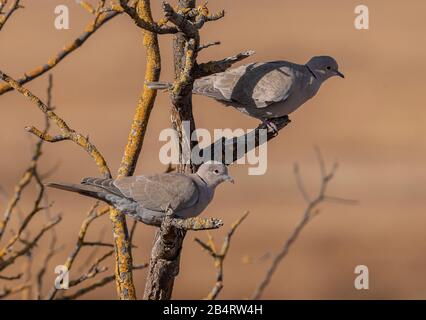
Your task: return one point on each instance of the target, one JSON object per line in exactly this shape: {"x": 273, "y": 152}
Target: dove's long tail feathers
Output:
{"x": 104, "y": 190}
{"x": 98, "y": 188}
{"x": 86, "y": 190}
{"x": 159, "y": 85}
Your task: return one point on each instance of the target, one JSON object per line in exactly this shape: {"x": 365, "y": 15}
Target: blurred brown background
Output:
{"x": 372, "y": 123}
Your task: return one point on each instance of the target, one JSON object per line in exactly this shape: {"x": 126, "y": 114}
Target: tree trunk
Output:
{"x": 165, "y": 255}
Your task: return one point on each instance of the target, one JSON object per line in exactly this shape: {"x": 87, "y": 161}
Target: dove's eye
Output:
{"x": 328, "y": 68}
{"x": 216, "y": 171}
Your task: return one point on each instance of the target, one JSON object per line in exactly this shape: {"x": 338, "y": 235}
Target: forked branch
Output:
{"x": 4, "y": 16}
{"x": 102, "y": 16}
{"x": 67, "y": 132}
{"x": 93, "y": 214}
{"x": 219, "y": 256}
{"x": 310, "y": 212}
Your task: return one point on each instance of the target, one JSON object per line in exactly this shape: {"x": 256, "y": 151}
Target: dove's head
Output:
{"x": 214, "y": 173}
{"x": 324, "y": 67}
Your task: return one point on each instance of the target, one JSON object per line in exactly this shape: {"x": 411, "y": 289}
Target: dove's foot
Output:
{"x": 271, "y": 126}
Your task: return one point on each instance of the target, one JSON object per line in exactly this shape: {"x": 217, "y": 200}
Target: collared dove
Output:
{"x": 268, "y": 90}
{"x": 150, "y": 198}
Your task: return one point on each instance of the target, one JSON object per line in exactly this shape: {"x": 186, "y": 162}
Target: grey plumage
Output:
{"x": 148, "y": 198}
{"x": 270, "y": 89}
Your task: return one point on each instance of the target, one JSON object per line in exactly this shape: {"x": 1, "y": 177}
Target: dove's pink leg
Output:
{"x": 271, "y": 126}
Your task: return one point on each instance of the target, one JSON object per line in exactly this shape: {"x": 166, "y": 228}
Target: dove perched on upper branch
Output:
{"x": 268, "y": 90}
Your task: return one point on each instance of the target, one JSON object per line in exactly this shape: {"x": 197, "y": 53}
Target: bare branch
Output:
{"x": 7, "y": 291}
{"x": 28, "y": 245}
{"x": 212, "y": 67}
{"x": 124, "y": 260}
{"x": 93, "y": 253}
{"x": 97, "y": 284}
{"x": 52, "y": 250}
{"x": 97, "y": 243}
{"x": 202, "y": 15}
{"x": 300, "y": 183}
{"x": 230, "y": 150}
{"x": 99, "y": 20}
{"x": 5, "y": 16}
{"x": 219, "y": 256}
{"x": 201, "y": 21}
{"x": 71, "y": 134}
{"x": 31, "y": 171}
{"x": 91, "y": 274}
{"x": 146, "y": 24}
{"x": 179, "y": 20}
{"x": 92, "y": 215}
{"x": 36, "y": 208}
{"x": 22, "y": 184}
{"x": 45, "y": 136}
{"x": 11, "y": 278}
{"x": 195, "y": 224}
{"x": 208, "y": 45}
{"x": 310, "y": 211}
{"x": 133, "y": 230}
{"x": 165, "y": 255}
{"x": 87, "y": 6}
{"x": 163, "y": 264}
{"x": 23, "y": 234}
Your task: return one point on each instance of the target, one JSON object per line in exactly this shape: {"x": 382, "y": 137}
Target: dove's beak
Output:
{"x": 229, "y": 178}
{"x": 341, "y": 75}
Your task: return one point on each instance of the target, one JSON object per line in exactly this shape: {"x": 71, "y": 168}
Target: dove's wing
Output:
{"x": 161, "y": 191}
{"x": 219, "y": 86}
{"x": 256, "y": 85}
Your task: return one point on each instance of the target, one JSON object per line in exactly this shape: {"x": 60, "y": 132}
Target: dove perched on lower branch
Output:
{"x": 149, "y": 198}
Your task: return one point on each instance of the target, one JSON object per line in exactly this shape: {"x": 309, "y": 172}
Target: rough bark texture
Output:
{"x": 165, "y": 255}
{"x": 230, "y": 150}
{"x": 123, "y": 255}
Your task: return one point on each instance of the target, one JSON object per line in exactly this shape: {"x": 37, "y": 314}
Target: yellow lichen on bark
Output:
{"x": 123, "y": 270}
{"x": 147, "y": 97}
{"x": 67, "y": 132}
{"x": 123, "y": 257}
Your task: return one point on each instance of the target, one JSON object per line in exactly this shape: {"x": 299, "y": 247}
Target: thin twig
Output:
{"x": 31, "y": 170}
{"x": 208, "y": 45}
{"x": 67, "y": 132}
{"x": 28, "y": 245}
{"x": 97, "y": 284}
{"x": 22, "y": 184}
{"x": 90, "y": 29}
{"x": 11, "y": 278}
{"x": 4, "y": 17}
{"x": 7, "y": 291}
{"x": 212, "y": 67}
{"x": 145, "y": 24}
{"x": 52, "y": 250}
{"x": 36, "y": 208}
{"x": 93, "y": 214}
{"x": 219, "y": 256}
{"x": 310, "y": 212}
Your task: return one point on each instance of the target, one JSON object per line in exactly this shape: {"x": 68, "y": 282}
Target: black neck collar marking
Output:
{"x": 313, "y": 73}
